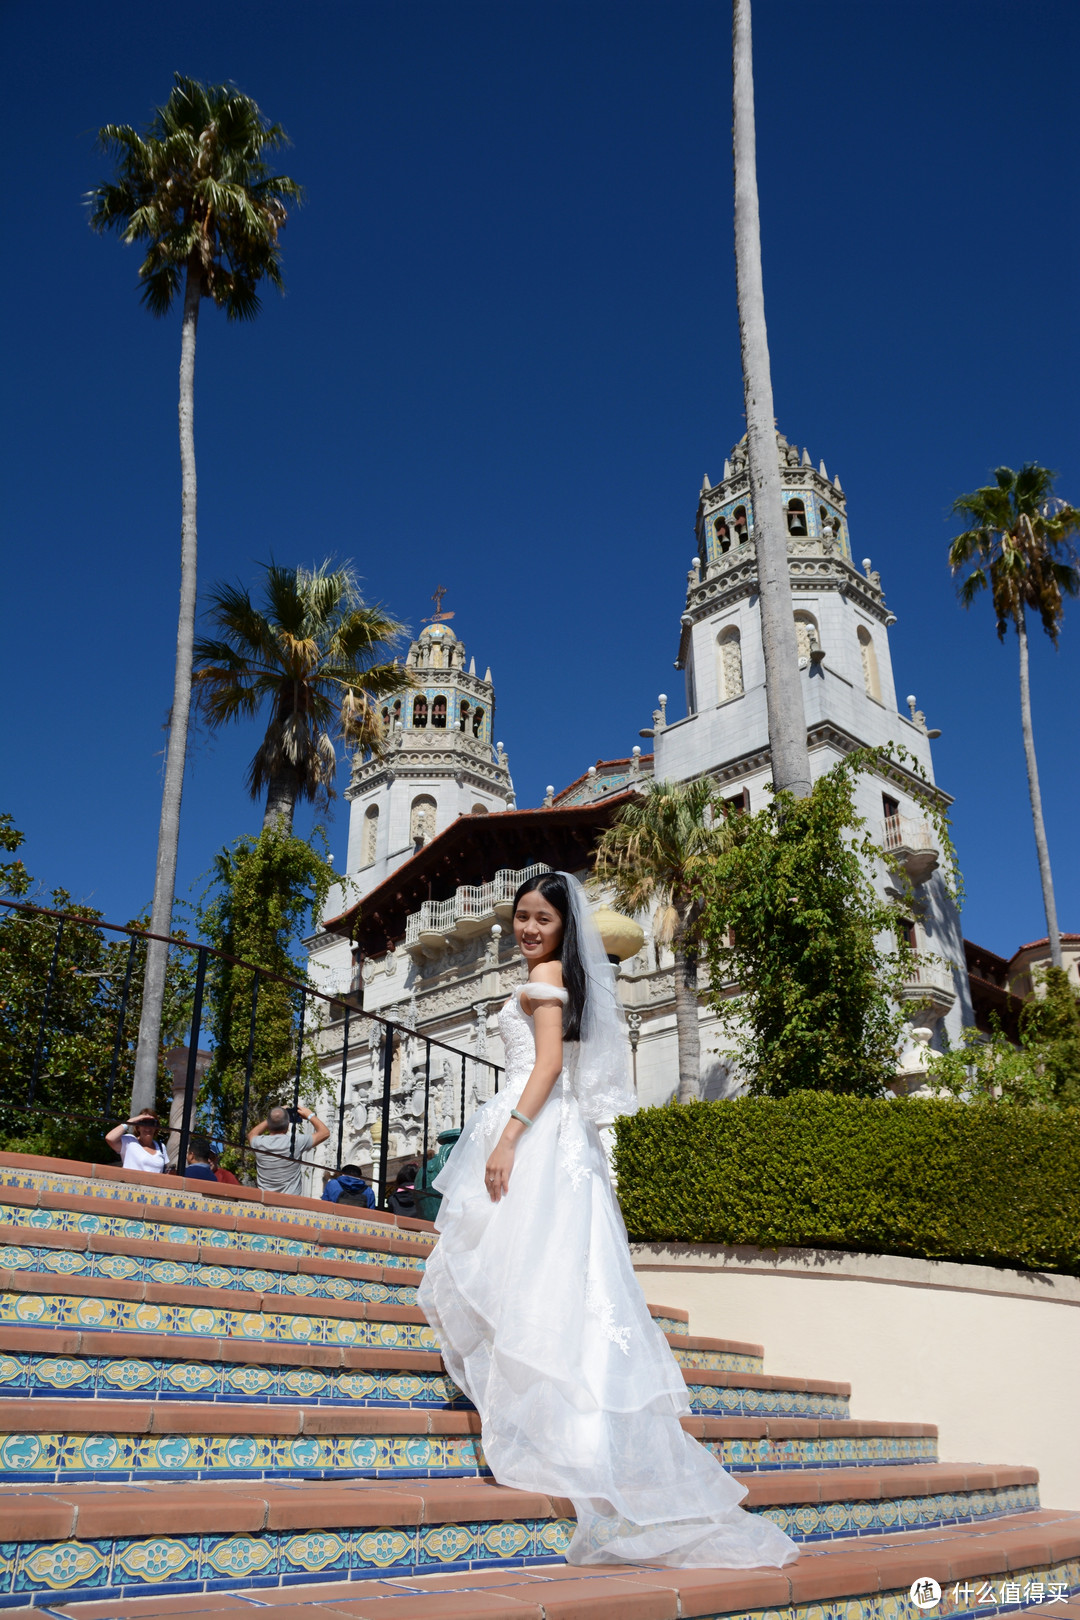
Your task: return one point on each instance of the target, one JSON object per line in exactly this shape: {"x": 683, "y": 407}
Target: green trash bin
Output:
{"x": 427, "y": 1199}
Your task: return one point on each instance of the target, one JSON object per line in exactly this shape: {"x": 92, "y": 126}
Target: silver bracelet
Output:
{"x": 515, "y": 1115}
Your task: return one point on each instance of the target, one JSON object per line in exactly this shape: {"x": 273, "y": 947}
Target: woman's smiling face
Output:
{"x": 538, "y": 928}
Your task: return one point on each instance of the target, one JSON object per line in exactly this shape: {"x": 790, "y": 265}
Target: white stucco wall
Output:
{"x": 989, "y": 1355}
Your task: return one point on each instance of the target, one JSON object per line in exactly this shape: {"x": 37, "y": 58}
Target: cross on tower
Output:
{"x": 437, "y": 597}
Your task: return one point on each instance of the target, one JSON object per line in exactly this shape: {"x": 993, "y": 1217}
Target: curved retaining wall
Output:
{"x": 991, "y": 1356}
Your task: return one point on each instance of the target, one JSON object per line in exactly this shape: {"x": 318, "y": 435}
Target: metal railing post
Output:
{"x": 341, "y": 1098}
{"x": 463, "y": 1090}
{"x": 192, "y": 1062}
{"x": 427, "y": 1098}
{"x": 119, "y": 1041}
{"x": 299, "y": 1064}
{"x": 249, "y": 1069}
{"x": 389, "y": 1032}
{"x": 40, "y": 1047}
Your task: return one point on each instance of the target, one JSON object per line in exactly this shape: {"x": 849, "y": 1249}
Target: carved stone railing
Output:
{"x": 909, "y": 844}
{"x": 471, "y": 910}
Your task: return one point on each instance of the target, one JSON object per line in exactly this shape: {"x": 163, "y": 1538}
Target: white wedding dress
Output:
{"x": 543, "y": 1325}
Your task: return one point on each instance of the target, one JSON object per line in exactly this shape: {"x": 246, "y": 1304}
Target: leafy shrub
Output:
{"x": 938, "y": 1179}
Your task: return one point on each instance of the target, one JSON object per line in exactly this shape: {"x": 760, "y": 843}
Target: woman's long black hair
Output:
{"x": 552, "y": 886}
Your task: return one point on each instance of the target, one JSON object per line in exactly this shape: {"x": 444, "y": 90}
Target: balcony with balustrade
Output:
{"x": 440, "y": 924}
{"x": 928, "y": 991}
{"x": 909, "y": 844}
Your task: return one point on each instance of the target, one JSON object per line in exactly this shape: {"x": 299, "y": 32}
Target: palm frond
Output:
{"x": 196, "y": 181}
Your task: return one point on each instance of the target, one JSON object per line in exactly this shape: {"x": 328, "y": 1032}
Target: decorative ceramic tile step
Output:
{"x": 42, "y": 1299}
{"x": 815, "y": 1505}
{"x": 47, "y": 1362}
{"x": 756, "y": 1394}
{"x": 44, "y": 1361}
{"x": 784, "y": 1444}
{"x": 855, "y": 1580}
{"x": 102, "y": 1206}
{"x": 209, "y": 1245}
{"x": 716, "y": 1355}
{"x": 70, "y": 1440}
{"x": 112, "y": 1543}
{"x": 124, "y": 1259}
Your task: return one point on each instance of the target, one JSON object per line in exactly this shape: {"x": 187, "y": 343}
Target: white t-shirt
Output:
{"x": 135, "y": 1157}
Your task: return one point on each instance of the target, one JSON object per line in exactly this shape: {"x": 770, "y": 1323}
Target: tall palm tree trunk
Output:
{"x": 281, "y": 797}
{"x": 686, "y": 1019}
{"x": 1036, "y": 796}
{"x": 147, "y": 1051}
{"x": 783, "y": 687}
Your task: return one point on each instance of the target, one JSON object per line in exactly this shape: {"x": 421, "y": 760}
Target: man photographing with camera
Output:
{"x": 277, "y": 1155}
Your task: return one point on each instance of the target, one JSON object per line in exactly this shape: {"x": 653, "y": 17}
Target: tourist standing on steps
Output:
{"x": 278, "y": 1154}
{"x": 532, "y": 1293}
{"x": 137, "y": 1144}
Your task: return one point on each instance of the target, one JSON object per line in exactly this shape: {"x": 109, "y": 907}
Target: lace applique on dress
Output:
{"x": 572, "y": 1143}
{"x": 599, "y": 1303}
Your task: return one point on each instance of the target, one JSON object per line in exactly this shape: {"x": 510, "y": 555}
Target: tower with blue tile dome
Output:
{"x": 440, "y": 760}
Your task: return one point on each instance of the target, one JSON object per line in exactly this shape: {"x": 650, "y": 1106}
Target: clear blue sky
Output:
{"x": 508, "y": 353}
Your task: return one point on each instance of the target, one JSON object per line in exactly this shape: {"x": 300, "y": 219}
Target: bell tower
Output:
{"x": 842, "y": 628}
{"x": 439, "y": 762}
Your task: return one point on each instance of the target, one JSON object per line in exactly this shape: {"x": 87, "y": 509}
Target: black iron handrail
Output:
{"x": 393, "y": 1033}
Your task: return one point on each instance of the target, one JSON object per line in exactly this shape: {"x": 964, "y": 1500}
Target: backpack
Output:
{"x": 352, "y": 1190}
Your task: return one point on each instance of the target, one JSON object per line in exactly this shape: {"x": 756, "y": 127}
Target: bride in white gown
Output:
{"x": 531, "y": 1289}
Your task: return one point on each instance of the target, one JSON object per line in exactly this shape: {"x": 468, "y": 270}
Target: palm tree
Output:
{"x": 196, "y": 189}
{"x": 317, "y": 655}
{"x": 654, "y": 855}
{"x": 1019, "y": 545}
{"x": 783, "y": 688}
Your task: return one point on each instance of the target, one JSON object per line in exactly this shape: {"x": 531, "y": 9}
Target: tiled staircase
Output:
{"x": 230, "y": 1400}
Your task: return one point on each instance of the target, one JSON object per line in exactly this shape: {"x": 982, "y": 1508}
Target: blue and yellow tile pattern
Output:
{"x": 118, "y": 1457}
{"x": 109, "y": 1224}
{"x": 125, "y": 1568}
{"x": 33, "y": 1373}
{"x": 193, "y": 1274}
{"x": 130, "y": 1568}
{"x": 732, "y": 1400}
{"x": 152, "y": 1197}
{"x": 62, "y": 1310}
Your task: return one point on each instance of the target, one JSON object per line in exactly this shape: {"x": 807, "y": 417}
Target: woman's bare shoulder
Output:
{"x": 547, "y": 973}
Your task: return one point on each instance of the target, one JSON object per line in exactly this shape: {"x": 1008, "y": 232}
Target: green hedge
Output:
{"x": 941, "y": 1180}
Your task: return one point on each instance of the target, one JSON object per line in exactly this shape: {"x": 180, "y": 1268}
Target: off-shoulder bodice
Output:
{"x": 516, "y": 1029}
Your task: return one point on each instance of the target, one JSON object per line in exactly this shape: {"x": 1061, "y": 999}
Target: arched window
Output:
{"x": 397, "y": 714}
{"x": 722, "y": 533}
{"x": 422, "y": 820}
{"x": 463, "y": 715}
{"x": 370, "y": 835}
{"x": 796, "y": 516}
{"x": 419, "y": 712}
{"x": 871, "y": 680}
{"x": 479, "y": 810}
{"x": 830, "y": 527}
{"x": 741, "y": 528}
{"x": 806, "y": 634}
{"x": 438, "y": 713}
{"x": 729, "y": 663}
{"x": 386, "y": 719}
{"x": 478, "y": 721}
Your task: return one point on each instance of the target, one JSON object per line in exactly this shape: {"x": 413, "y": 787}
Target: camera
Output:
{"x": 296, "y": 1116}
